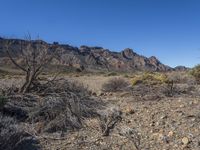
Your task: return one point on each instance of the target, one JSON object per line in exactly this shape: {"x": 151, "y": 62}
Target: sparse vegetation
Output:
{"x": 75, "y": 111}
{"x": 65, "y": 115}
{"x": 108, "y": 119}
{"x": 61, "y": 105}
{"x": 64, "y": 106}
{"x": 196, "y": 73}
{"x": 3, "y": 100}
{"x": 12, "y": 136}
{"x": 150, "y": 79}
{"x": 35, "y": 57}
{"x": 115, "y": 84}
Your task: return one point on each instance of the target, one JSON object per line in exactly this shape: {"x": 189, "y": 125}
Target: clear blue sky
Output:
{"x": 168, "y": 29}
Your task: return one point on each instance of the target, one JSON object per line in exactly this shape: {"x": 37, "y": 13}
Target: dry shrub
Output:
{"x": 196, "y": 73}
{"x": 12, "y": 136}
{"x": 131, "y": 134}
{"x": 64, "y": 105}
{"x": 19, "y": 106}
{"x": 108, "y": 118}
{"x": 3, "y": 100}
{"x": 115, "y": 84}
{"x": 181, "y": 77}
{"x": 60, "y": 105}
{"x": 161, "y": 84}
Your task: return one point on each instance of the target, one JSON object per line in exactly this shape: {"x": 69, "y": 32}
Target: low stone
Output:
{"x": 129, "y": 110}
{"x": 171, "y": 133}
{"x": 185, "y": 141}
{"x": 163, "y": 117}
{"x": 100, "y": 94}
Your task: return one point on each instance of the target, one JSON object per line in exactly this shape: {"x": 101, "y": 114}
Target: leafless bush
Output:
{"x": 64, "y": 106}
{"x": 59, "y": 104}
{"x": 114, "y": 85}
{"x": 20, "y": 105}
{"x": 181, "y": 78}
{"x": 12, "y": 137}
{"x": 108, "y": 118}
{"x": 132, "y": 135}
{"x": 35, "y": 57}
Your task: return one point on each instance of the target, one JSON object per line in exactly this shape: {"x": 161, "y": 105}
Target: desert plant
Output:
{"x": 196, "y": 73}
{"x": 115, "y": 84}
{"x": 150, "y": 79}
{"x": 108, "y": 118}
{"x": 132, "y": 135}
{"x": 3, "y": 100}
{"x": 12, "y": 136}
{"x": 181, "y": 77}
{"x": 35, "y": 56}
{"x": 64, "y": 105}
{"x": 169, "y": 88}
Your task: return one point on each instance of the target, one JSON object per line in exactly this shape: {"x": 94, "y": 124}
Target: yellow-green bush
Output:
{"x": 149, "y": 79}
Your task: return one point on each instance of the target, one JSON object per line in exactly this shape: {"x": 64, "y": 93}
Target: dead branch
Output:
{"x": 36, "y": 55}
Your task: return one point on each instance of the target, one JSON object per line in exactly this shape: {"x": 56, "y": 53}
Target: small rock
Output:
{"x": 195, "y": 102}
{"x": 185, "y": 141}
{"x": 109, "y": 94}
{"x": 163, "y": 117}
{"x": 100, "y": 94}
{"x": 190, "y": 103}
{"x": 171, "y": 133}
{"x": 129, "y": 110}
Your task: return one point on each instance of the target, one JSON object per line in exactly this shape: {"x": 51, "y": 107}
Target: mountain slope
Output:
{"x": 90, "y": 58}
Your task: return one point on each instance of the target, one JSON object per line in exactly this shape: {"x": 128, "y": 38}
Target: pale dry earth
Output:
{"x": 166, "y": 123}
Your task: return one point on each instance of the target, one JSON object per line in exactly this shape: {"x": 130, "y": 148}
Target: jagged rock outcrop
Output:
{"x": 181, "y": 68}
{"x": 90, "y": 58}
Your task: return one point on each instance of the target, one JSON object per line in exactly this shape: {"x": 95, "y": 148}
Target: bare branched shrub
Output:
{"x": 181, "y": 78}
{"x": 115, "y": 84}
{"x": 12, "y": 136}
{"x": 169, "y": 88}
{"x": 108, "y": 118}
{"x": 20, "y": 105}
{"x": 59, "y": 104}
{"x": 35, "y": 57}
{"x": 132, "y": 135}
{"x": 64, "y": 106}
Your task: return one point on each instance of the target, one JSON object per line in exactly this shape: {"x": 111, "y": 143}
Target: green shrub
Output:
{"x": 149, "y": 79}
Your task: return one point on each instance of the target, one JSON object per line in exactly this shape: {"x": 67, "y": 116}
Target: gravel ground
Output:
{"x": 167, "y": 123}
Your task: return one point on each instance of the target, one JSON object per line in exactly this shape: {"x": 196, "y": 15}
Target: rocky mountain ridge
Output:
{"x": 90, "y": 58}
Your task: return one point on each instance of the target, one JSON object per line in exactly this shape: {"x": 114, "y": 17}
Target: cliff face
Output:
{"x": 91, "y": 58}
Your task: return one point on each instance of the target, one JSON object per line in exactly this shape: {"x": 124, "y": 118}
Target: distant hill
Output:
{"x": 91, "y": 58}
